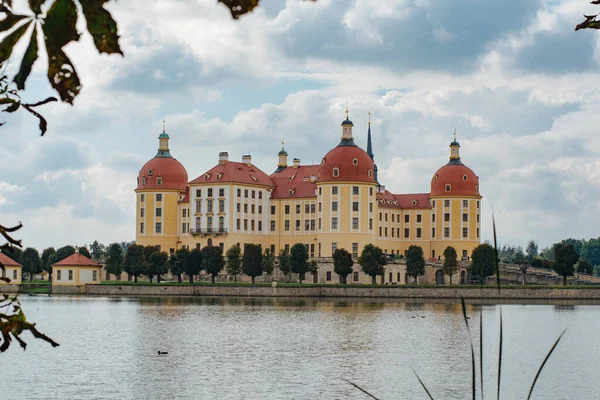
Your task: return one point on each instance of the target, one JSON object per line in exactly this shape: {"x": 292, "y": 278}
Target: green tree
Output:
{"x": 84, "y": 251}
{"x": 372, "y": 261}
{"x": 135, "y": 263}
{"x": 268, "y": 263}
{"x": 284, "y": 263}
{"x": 234, "y": 261}
{"x": 213, "y": 261}
{"x": 64, "y": 252}
{"x": 31, "y": 262}
{"x": 450, "y": 265}
{"x": 299, "y": 260}
{"x": 51, "y": 261}
{"x": 342, "y": 264}
{"x": 45, "y": 260}
{"x": 483, "y": 261}
{"x": 114, "y": 260}
{"x": 537, "y": 263}
{"x": 148, "y": 251}
{"x": 194, "y": 264}
{"x": 97, "y": 250}
{"x": 14, "y": 253}
{"x": 591, "y": 251}
{"x": 252, "y": 261}
{"x": 158, "y": 265}
{"x": 176, "y": 266}
{"x": 584, "y": 267}
{"x": 547, "y": 253}
{"x": 313, "y": 269}
{"x": 531, "y": 250}
{"x": 565, "y": 259}
{"x": 183, "y": 256}
{"x": 415, "y": 262}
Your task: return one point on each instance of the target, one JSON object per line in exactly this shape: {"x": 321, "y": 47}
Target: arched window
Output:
{"x": 370, "y": 173}
{"x": 477, "y": 188}
{"x": 144, "y": 181}
{"x": 435, "y": 177}
{"x": 336, "y": 172}
{"x": 448, "y": 187}
{"x": 159, "y": 181}
{"x": 345, "y": 130}
{"x": 221, "y": 223}
{"x": 209, "y": 223}
{"x": 198, "y": 223}
{"x": 465, "y": 177}
{"x": 209, "y": 242}
{"x": 355, "y": 161}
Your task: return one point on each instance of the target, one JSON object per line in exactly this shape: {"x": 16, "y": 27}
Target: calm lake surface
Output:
{"x": 234, "y": 348}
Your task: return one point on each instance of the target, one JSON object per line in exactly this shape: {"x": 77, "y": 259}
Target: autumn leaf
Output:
{"x": 6, "y": 47}
{"x": 240, "y": 7}
{"x": 31, "y": 54}
{"x": 101, "y": 26}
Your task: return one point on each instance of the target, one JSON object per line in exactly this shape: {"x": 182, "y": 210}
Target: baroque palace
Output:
{"x": 336, "y": 204}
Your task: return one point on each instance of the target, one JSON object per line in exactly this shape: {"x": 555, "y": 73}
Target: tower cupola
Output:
{"x": 347, "y": 128}
{"x": 454, "y": 150}
{"x": 163, "y": 143}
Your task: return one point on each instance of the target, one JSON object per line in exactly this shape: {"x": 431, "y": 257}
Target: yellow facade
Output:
{"x": 70, "y": 275}
{"x": 12, "y": 272}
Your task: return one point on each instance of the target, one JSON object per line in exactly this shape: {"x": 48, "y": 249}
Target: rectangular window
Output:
{"x": 334, "y": 206}
{"x": 287, "y": 248}
{"x": 328, "y": 276}
{"x": 370, "y": 207}
{"x": 386, "y": 231}
{"x": 386, "y": 217}
{"x": 433, "y": 233}
{"x": 287, "y": 225}
{"x": 418, "y": 233}
{"x": 312, "y": 224}
{"x": 253, "y": 208}
{"x": 446, "y": 203}
{"x": 380, "y": 216}
{"x": 320, "y": 224}
{"x": 465, "y": 217}
{"x": 354, "y": 223}
{"x": 260, "y": 209}
{"x": 272, "y": 226}
{"x": 287, "y": 208}
{"x": 246, "y": 208}
{"x": 306, "y": 208}
{"x": 70, "y": 274}
{"x": 312, "y": 208}
{"x": 446, "y": 232}
{"x": 221, "y": 205}
{"x": 406, "y": 219}
{"x": 418, "y": 218}
{"x": 252, "y": 225}
{"x": 58, "y": 274}
{"x": 432, "y": 217}
{"x": 370, "y": 224}
{"x": 477, "y": 203}
{"x": 306, "y": 225}
{"x": 334, "y": 223}
{"x": 355, "y": 250}
{"x": 185, "y": 213}
{"x": 465, "y": 232}
{"x": 334, "y": 190}
{"x": 465, "y": 203}
{"x": 272, "y": 249}
{"x": 297, "y": 208}
{"x": 238, "y": 224}
{"x": 198, "y": 206}
{"x": 477, "y": 218}
{"x": 320, "y": 191}
{"x": 142, "y": 212}
{"x": 245, "y": 224}
{"x": 221, "y": 192}
{"x": 209, "y": 192}
{"x": 209, "y": 206}
{"x": 184, "y": 227}
{"x": 380, "y": 231}
{"x": 246, "y": 193}
{"x": 446, "y": 217}
{"x": 198, "y": 193}
{"x": 272, "y": 210}
{"x": 392, "y": 217}
{"x": 143, "y": 198}
{"x": 392, "y": 231}
{"x": 159, "y": 212}
{"x": 355, "y": 276}
{"x": 254, "y": 194}
{"x": 333, "y": 247}
{"x": 158, "y": 197}
{"x": 398, "y": 233}
{"x": 15, "y": 274}
{"x": 355, "y": 190}
{"x": 477, "y": 233}
{"x": 432, "y": 253}
{"x": 158, "y": 227}
{"x": 355, "y": 206}
{"x": 239, "y": 193}
{"x": 297, "y": 224}
{"x": 312, "y": 249}
{"x": 371, "y": 191}
{"x": 238, "y": 207}
{"x": 406, "y": 233}
{"x": 260, "y": 194}
{"x": 433, "y": 204}
{"x": 320, "y": 208}
{"x": 464, "y": 254}
{"x": 142, "y": 227}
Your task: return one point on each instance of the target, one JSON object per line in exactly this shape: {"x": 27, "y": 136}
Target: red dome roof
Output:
{"x": 352, "y": 162}
{"x": 173, "y": 174}
{"x": 462, "y": 180}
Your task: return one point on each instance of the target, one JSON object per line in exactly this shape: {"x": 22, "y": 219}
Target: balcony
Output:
{"x": 209, "y": 231}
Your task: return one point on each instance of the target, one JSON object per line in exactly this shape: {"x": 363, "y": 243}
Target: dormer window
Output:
{"x": 159, "y": 181}
{"x": 477, "y": 188}
{"x": 448, "y": 188}
{"x": 206, "y": 177}
{"x": 255, "y": 179}
{"x": 143, "y": 180}
{"x": 370, "y": 174}
{"x": 219, "y": 175}
{"x": 355, "y": 161}
{"x": 292, "y": 191}
{"x": 414, "y": 202}
{"x": 322, "y": 161}
{"x": 465, "y": 178}
{"x": 435, "y": 177}
{"x": 336, "y": 172}
{"x": 150, "y": 172}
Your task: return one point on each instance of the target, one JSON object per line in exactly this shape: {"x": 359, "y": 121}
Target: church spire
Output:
{"x": 369, "y": 145}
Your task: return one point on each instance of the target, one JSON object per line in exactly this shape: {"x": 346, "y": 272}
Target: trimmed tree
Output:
{"x": 313, "y": 268}
{"x": 234, "y": 261}
{"x": 31, "y": 262}
{"x": 342, "y": 264}
{"x": 268, "y": 263}
{"x": 194, "y": 264}
{"x": 212, "y": 261}
{"x": 134, "y": 263}
{"x": 284, "y": 263}
{"x": 565, "y": 259}
{"x": 299, "y": 260}
{"x": 158, "y": 265}
{"x": 415, "y": 262}
{"x": 148, "y": 252}
{"x": 450, "y": 265}
{"x": 114, "y": 260}
{"x": 182, "y": 262}
{"x": 84, "y": 251}
{"x": 64, "y": 252}
{"x": 176, "y": 267}
{"x": 372, "y": 261}
{"x": 46, "y": 265}
{"x": 252, "y": 261}
{"x": 483, "y": 261}
{"x": 584, "y": 267}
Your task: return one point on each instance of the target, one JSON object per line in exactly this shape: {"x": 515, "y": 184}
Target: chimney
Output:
{"x": 247, "y": 159}
{"x": 223, "y": 157}
{"x": 296, "y": 162}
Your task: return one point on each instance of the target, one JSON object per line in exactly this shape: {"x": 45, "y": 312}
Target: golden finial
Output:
{"x": 369, "y": 117}
{"x": 455, "y": 134}
{"x": 346, "y": 112}
{"x": 282, "y": 145}
{"x": 164, "y": 126}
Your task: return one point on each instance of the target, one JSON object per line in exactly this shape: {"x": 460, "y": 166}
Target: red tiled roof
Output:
{"x": 403, "y": 201}
{"x": 455, "y": 174}
{"x": 235, "y": 172}
{"x": 186, "y": 197}
{"x": 77, "y": 259}
{"x": 342, "y": 157}
{"x": 173, "y": 174}
{"x": 295, "y": 182}
{"x": 8, "y": 262}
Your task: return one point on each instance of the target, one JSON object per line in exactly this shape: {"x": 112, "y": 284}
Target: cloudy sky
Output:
{"x": 512, "y": 76}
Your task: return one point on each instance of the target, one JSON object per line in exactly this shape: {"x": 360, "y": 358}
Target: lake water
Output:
{"x": 234, "y": 348}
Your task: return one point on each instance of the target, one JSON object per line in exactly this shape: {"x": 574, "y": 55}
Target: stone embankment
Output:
{"x": 468, "y": 292}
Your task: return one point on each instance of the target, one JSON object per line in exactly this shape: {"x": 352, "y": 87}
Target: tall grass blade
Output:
{"x": 422, "y": 384}
{"x": 496, "y": 253}
{"x": 369, "y": 394}
{"x": 464, "y": 309}
{"x": 500, "y": 355}
{"x": 544, "y": 363}
{"x": 481, "y": 350}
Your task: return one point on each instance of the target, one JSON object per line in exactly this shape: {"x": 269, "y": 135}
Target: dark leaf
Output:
{"x": 43, "y": 122}
{"x": 62, "y": 75}
{"x": 6, "y": 100}
{"x": 40, "y": 103}
{"x": 544, "y": 363}
{"x": 12, "y": 108}
{"x": 5, "y": 280}
{"x": 239, "y": 7}
{"x": 60, "y": 24}
{"x": 6, "y": 47}
{"x": 10, "y": 20}
{"x": 31, "y": 54}
{"x": 101, "y": 26}
{"x": 36, "y": 6}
